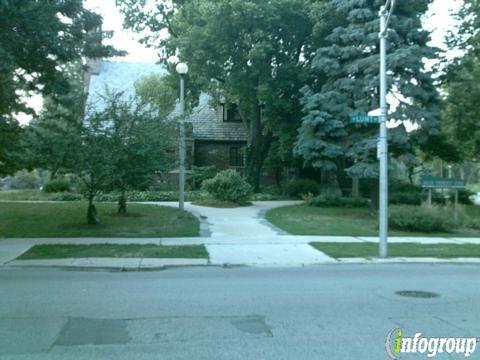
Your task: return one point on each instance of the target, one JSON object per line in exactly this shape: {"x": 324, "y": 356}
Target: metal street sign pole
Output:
{"x": 383, "y": 213}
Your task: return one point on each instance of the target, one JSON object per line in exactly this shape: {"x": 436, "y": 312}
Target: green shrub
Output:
{"x": 228, "y": 185}
{"x": 406, "y": 198}
{"x": 421, "y": 218}
{"x": 269, "y": 193}
{"x": 146, "y": 196}
{"x": 463, "y": 197}
{"x": 66, "y": 196}
{"x": 338, "y": 201}
{"x": 437, "y": 197}
{"x": 404, "y": 187}
{"x": 302, "y": 187}
{"x": 473, "y": 223}
{"x": 265, "y": 197}
{"x": 23, "y": 180}
{"x": 56, "y": 186}
{"x": 200, "y": 174}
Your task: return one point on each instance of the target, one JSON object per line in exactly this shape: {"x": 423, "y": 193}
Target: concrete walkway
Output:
{"x": 244, "y": 221}
{"x": 238, "y": 236}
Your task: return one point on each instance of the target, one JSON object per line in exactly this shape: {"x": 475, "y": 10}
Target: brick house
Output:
{"x": 217, "y": 135}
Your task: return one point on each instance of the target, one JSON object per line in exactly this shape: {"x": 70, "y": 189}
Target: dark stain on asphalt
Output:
{"x": 86, "y": 331}
{"x": 255, "y": 325}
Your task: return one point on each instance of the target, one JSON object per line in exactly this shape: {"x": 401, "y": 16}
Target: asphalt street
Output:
{"x": 321, "y": 312}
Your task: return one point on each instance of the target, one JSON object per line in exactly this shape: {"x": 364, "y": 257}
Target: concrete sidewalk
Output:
{"x": 274, "y": 251}
{"x": 238, "y": 236}
{"x": 236, "y": 222}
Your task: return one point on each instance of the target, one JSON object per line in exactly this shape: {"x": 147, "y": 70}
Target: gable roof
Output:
{"x": 116, "y": 76}
{"x": 209, "y": 126}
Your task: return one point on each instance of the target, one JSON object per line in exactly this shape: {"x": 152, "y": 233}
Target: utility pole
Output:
{"x": 385, "y": 13}
{"x": 182, "y": 70}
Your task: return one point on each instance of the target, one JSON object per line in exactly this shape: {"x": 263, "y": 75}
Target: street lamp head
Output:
{"x": 182, "y": 68}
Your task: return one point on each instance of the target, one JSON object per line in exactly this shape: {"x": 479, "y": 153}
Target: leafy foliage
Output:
{"x": 337, "y": 201}
{"x": 462, "y": 112}
{"x": 229, "y": 186}
{"x": 421, "y": 218}
{"x": 296, "y": 189}
{"x": 22, "y": 180}
{"x": 253, "y": 53}
{"x": 37, "y": 39}
{"x": 160, "y": 91}
{"x": 142, "y": 144}
{"x": 11, "y": 151}
{"x": 200, "y": 174}
{"x": 57, "y": 185}
{"x": 348, "y": 67}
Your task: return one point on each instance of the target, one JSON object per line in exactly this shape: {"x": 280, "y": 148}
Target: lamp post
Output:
{"x": 385, "y": 14}
{"x": 182, "y": 70}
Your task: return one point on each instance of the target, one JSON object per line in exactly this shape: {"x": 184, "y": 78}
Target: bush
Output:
{"x": 473, "y": 223}
{"x": 406, "y": 198}
{"x": 463, "y": 197}
{"x": 200, "y": 174}
{"x": 142, "y": 196}
{"x": 337, "y": 201}
{"x": 56, "y": 186}
{"x": 421, "y": 218}
{"x": 66, "y": 196}
{"x": 302, "y": 187}
{"x": 265, "y": 197}
{"x": 437, "y": 198}
{"x": 406, "y": 194}
{"x": 23, "y": 180}
{"x": 229, "y": 186}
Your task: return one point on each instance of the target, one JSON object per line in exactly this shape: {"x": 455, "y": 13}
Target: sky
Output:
{"x": 439, "y": 21}
{"x": 122, "y": 39}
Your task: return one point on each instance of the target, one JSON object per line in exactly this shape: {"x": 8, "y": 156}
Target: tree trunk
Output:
{"x": 92, "y": 214}
{"x": 258, "y": 147}
{"x": 122, "y": 203}
{"x": 355, "y": 187}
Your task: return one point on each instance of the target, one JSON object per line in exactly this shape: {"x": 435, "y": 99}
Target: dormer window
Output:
{"x": 231, "y": 113}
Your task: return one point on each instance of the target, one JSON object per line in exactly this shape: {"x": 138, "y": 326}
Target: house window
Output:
{"x": 231, "y": 113}
{"x": 236, "y": 156}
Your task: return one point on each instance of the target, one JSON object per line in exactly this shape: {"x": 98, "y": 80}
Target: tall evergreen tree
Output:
{"x": 348, "y": 66}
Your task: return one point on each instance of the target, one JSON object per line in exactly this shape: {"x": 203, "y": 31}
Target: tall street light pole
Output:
{"x": 182, "y": 70}
{"x": 385, "y": 13}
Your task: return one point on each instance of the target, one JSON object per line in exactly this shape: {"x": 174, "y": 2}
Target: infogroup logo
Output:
{"x": 397, "y": 344}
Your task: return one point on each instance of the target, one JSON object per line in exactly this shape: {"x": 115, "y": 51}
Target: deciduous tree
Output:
{"x": 255, "y": 53}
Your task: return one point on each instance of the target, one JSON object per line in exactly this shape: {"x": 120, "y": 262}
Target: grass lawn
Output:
{"x": 368, "y": 250}
{"x": 25, "y": 195}
{"x": 39, "y": 252}
{"x": 309, "y": 220}
{"x": 68, "y": 219}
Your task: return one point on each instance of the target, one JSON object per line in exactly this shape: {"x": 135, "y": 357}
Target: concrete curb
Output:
{"x": 404, "y": 260}
{"x": 122, "y": 264}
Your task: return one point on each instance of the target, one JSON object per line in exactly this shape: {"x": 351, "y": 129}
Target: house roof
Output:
{"x": 115, "y": 77}
{"x": 207, "y": 125}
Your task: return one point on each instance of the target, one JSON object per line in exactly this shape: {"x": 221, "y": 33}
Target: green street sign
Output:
{"x": 363, "y": 119}
{"x": 441, "y": 183}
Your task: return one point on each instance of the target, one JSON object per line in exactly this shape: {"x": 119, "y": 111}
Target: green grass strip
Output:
{"x": 39, "y": 252}
{"x": 367, "y": 250}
